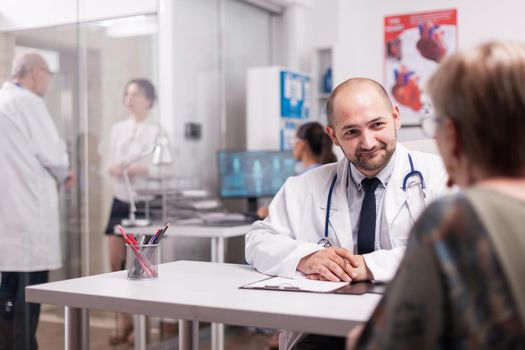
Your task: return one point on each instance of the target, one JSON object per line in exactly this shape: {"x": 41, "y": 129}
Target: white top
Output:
{"x": 129, "y": 142}
{"x": 33, "y": 162}
{"x": 210, "y": 292}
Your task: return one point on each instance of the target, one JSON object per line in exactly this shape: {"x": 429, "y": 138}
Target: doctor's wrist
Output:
{"x": 363, "y": 272}
{"x": 302, "y": 265}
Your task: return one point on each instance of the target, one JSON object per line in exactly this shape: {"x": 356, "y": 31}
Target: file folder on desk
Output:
{"x": 314, "y": 286}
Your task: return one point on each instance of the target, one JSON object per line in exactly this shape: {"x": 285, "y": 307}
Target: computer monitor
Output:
{"x": 252, "y": 174}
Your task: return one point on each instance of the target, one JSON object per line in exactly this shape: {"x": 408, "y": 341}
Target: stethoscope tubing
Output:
{"x": 328, "y": 205}
{"x": 412, "y": 172}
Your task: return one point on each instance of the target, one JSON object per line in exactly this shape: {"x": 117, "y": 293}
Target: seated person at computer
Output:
{"x": 372, "y": 196}
{"x": 312, "y": 148}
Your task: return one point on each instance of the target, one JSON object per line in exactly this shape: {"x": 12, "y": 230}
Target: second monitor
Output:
{"x": 252, "y": 174}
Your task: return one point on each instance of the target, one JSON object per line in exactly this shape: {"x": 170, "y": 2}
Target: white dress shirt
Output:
{"x": 355, "y": 195}
{"x": 130, "y": 141}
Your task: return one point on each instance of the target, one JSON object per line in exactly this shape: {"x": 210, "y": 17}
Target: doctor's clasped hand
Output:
{"x": 334, "y": 264}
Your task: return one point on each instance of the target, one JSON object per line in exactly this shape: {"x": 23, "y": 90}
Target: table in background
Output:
{"x": 218, "y": 236}
{"x": 202, "y": 291}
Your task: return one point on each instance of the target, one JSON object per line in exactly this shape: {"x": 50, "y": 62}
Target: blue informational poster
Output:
{"x": 295, "y": 95}
{"x": 288, "y": 129}
{"x": 295, "y": 105}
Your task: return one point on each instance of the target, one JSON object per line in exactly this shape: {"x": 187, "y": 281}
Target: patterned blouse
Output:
{"x": 450, "y": 291}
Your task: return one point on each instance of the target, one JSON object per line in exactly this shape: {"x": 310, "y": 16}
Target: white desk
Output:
{"x": 218, "y": 236}
{"x": 202, "y": 291}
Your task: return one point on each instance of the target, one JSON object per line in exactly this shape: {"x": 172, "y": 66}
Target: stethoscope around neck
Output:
{"x": 325, "y": 242}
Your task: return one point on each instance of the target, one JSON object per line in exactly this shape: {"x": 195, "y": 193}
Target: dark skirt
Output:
{"x": 120, "y": 211}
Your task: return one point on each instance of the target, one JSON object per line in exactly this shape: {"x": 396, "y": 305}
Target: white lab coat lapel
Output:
{"x": 339, "y": 217}
{"x": 395, "y": 197}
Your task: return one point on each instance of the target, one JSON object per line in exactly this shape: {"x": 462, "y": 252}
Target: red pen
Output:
{"x": 133, "y": 244}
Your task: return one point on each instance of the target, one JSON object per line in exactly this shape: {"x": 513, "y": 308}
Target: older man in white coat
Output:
{"x": 34, "y": 163}
{"x": 372, "y": 196}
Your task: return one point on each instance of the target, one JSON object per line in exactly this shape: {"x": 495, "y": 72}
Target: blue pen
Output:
{"x": 153, "y": 238}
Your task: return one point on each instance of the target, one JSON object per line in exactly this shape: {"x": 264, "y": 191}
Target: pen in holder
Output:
{"x": 143, "y": 258}
{"x": 142, "y": 261}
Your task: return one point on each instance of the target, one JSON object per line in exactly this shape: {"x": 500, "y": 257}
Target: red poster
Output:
{"x": 414, "y": 46}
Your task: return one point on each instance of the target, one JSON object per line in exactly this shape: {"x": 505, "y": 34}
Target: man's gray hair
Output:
{"x": 23, "y": 64}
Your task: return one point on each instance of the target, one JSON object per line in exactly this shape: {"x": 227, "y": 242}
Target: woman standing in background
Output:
{"x": 130, "y": 139}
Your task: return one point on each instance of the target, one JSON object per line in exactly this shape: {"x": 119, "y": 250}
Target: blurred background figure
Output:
{"x": 312, "y": 148}
{"x": 34, "y": 165}
{"x": 130, "y": 140}
{"x": 462, "y": 281}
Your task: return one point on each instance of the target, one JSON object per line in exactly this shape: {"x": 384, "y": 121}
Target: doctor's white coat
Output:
{"x": 297, "y": 216}
{"x": 33, "y": 161}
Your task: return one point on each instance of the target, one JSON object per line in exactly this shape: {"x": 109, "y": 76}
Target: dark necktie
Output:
{"x": 366, "y": 232}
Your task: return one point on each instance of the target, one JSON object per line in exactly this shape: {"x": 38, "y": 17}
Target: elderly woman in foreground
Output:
{"x": 462, "y": 282}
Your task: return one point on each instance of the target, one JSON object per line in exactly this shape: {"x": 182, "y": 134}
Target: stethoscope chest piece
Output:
{"x": 323, "y": 242}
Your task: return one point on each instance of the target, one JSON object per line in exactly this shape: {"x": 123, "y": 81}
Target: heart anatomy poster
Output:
{"x": 414, "y": 46}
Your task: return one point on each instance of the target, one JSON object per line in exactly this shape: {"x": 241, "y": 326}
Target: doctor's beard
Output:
{"x": 381, "y": 155}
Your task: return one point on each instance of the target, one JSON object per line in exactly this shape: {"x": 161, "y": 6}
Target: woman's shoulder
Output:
{"x": 462, "y": 204}
{"x": 447, "y": 215}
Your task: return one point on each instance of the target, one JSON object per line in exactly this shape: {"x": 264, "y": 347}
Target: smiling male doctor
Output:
{"x": 371, "y": 209}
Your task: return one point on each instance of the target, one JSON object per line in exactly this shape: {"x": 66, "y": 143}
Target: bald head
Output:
{"x": 353, "y": 86}
{"x": 22, "y": 65}
{"x": 31, "y": 70}
{"x": 363, "y": 123}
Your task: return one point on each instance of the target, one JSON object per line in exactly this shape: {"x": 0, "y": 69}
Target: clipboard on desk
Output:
{"x": 313, "y": 286}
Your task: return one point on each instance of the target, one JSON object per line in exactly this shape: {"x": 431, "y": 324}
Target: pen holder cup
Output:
{"x": 142, "y": 261}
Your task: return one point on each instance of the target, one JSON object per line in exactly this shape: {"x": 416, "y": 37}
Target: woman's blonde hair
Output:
{"x": 482, "y": 90}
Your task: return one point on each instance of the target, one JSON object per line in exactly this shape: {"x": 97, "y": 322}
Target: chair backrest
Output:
{"x": 423, "y": 145}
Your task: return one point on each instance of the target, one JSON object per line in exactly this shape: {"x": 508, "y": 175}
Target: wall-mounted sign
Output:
{"x": 414, "y": 46}
{"x": 295, "y": 95}
{"x": 295, "y": 105}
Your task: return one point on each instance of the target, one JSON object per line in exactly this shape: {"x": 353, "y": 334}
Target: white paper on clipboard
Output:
{"x": 298, "y": 285}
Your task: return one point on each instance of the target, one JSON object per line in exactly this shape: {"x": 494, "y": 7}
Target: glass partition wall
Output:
{"x": 212, "y": 43}
{"x": 92, "y": 62}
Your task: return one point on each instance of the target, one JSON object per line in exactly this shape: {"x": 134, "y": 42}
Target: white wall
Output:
{"x": 323, "y": 28}
{"x": 305, "y": 25}
{"x": 27, "y": 14}
{"x": 359, "y": 48}
{"x": 212, "y": 44}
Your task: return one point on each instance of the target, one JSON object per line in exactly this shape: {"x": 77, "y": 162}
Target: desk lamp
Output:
{"x": 161, "y": 156}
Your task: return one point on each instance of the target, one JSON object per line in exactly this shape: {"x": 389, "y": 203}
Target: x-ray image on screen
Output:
{"x": 253, "y": 173}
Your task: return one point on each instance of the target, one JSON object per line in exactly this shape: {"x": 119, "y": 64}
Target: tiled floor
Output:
{"x": 51, "y": 335}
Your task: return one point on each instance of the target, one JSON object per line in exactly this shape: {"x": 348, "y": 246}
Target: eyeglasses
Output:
{"x": 429, "y": 124}
{"x": 45, "y": 69}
